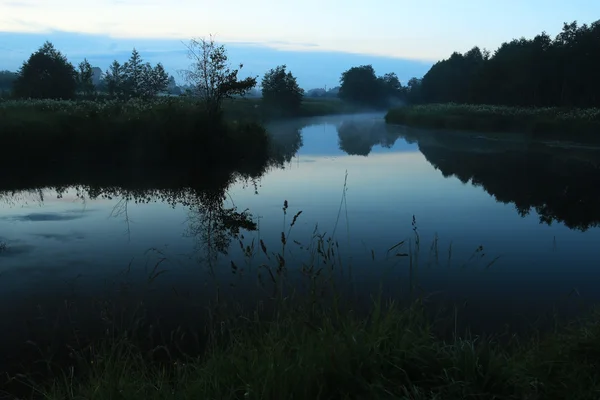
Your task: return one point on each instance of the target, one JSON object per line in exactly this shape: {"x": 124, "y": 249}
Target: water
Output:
{"x": 533, "y": 207}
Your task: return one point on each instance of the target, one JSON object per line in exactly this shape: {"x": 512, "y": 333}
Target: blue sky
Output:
{"x": 317, "y": 39}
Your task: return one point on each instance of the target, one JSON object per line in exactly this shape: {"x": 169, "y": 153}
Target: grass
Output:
{"x": 167, "y": 131}
{"x": 393, "y": 353}
{"x": 311, "y": 346}
{"x": 158, "y": 133}
{"x": 555, "y": 123}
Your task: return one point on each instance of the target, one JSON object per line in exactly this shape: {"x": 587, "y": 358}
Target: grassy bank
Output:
{"x": 171, "y": 131}
{"x": 303, "y": 354}
{"x": 305, "y": 347}
{"x": 160, "y": 132}
{"x": 544, "y": 122}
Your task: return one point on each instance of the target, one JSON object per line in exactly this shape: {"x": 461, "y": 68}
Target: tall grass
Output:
{"x": 545, "y": 122}
{"x": 314, "y": 344}
{"x": 164, "y": 132}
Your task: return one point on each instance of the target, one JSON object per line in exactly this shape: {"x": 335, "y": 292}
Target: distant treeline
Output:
{"x": 538, "y": 72}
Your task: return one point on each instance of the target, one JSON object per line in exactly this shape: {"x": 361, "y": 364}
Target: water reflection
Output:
{"x": 57, "y": 224}
{"x": 359, "y": 137}
{"x": 560, "y": 183}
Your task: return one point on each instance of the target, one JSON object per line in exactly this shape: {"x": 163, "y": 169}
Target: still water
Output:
{"x": 507, "y": 228}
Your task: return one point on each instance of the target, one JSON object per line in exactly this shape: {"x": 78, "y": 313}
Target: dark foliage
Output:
{"x": 46, "y": 75}
{"x": 539, "y": 72}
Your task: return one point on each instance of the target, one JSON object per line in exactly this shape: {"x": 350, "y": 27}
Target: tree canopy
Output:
{"x": 7, "y": 79}
{"x": 362, "y": 86}
{"x": 136, "y": 79}
{"x": 280, "y": 89}
{"x": 540, "y": 72}
{"x": 211, "y": 75}
{"x": 47, "y": 74}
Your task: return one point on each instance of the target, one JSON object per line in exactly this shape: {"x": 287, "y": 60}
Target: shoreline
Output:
{"x": 548, "y": 124}
{"x": 312, "y": 352}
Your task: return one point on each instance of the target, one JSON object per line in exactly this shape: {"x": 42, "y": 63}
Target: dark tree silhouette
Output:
{"x": 211, "y": 76}
{"x": 46, "y": 75}
{"x": 540, "y": 72}
{"x": 361, "y": 86}
{"x": 7, "y": 79}
{"x": 280, "y": 90}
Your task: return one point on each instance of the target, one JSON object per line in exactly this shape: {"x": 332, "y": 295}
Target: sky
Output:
{"x": 317, "y": 39}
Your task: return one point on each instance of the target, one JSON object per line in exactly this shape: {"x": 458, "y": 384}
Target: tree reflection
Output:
{"x": 202, "y": 190}
{"x": 214, "y": 225}
{"x": 359, "y": 137}
{"x": 558, "y": 183}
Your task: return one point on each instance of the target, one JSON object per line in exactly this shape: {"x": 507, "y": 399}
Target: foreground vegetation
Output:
{"x": 304, "y": 353}
{"x": 316, "y": 346}
{"x": 546, "y": 122}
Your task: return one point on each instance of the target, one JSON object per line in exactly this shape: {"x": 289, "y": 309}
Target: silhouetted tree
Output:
{"x": 360, "y": 85}
{"x": 280, "y": 90}
{"x": 136, "y": 79}
{"x": 154, "y": 80}
{"x": 85, "y": 78}
{"x": 523, "y": 72}
{"x": 46, "y": 75}
{"x": 7, "y": 79}
{"x": 211, "y": 76}
{"x": 413, "y": 91}
{"x": 392, "y": 89}
{"x": 114, "y": 79}
{"x": 133, "y": 75}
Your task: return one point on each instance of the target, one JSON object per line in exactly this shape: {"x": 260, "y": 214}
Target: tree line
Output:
{"x": 48, "y": 74}
{"x": 523, "y": 72}
{"x": 538, "y": 72}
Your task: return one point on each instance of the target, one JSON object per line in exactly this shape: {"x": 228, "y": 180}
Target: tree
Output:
{"x": 538, "y": 72}
{"x": 153, "y": 80}
{"x": 211, "y": 76}
{"x": 114, "y": 79}
{"x": 280, "y": 89}
{"x": 7, "y": 79}
{"x": 46, "y": 75}
{"x": 85, "y": 78}
{"x": 391, "y": 87}
{"x": 133, "y": 75}
{"x": 413, "y": 91}
{"x": 360, "y": 85}
{"x": 136, "y": 79}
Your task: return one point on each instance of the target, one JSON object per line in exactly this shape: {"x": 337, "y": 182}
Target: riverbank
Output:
{"x": 160, "y": 132}
{"x": 308, "y": 354}
{"x": 166, "y": 131}
{"x": 549, "y": 123}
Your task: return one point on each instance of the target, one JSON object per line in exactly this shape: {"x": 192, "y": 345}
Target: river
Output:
{"x": 504, "y": 229}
